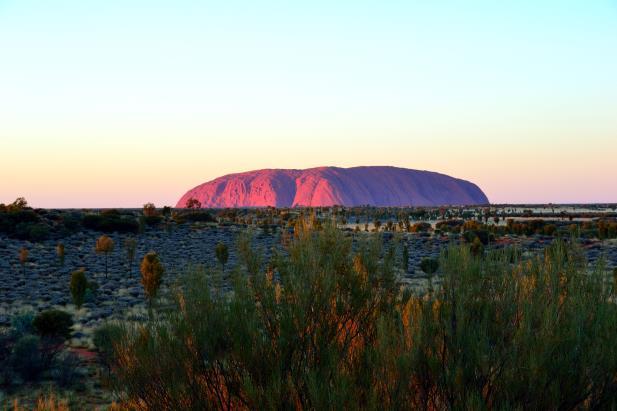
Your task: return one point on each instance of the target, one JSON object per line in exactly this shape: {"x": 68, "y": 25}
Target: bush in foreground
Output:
{"x": 54, "y": 324}
{"x": 328, "y": 327}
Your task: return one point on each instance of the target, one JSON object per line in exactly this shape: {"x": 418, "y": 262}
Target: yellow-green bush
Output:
{"x": 327, "y": 327}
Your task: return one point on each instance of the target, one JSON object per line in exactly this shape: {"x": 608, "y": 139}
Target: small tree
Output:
{"x": 104, "y": 245}
{"x": 166, "y": 211}
{"x": 405, "y": 258}
{"x": 79, "y": 285}
{"x": 151, "y": 275}
{"x": 23, "y": 258}
{"x": 19, "y": 204}
{"x": 149, "y": 210}
{"x": 60, "y": 253}
{"x": 377, "y": 224}
{"x": 131, "y": 245}
{"x": 193, "y": 203}
{"x": 222, "y": 254}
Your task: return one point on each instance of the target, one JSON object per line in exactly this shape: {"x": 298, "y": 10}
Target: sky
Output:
{"x": 119, "y": 103}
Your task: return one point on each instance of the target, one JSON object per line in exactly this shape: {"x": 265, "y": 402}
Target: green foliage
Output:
{"x": 482, "y": 235}
{"x": 270, "y": 343}
{"x": 222, "y": 253}
{"x": 195, "y": 216}
{"x": 31, "y": 231}
{"x": 150, "y": 220}
{"x": 55, "y": 324}
{"x": 78, "y": 287}
{"x": 19, "y": 221}
{"x": 103, "y": 339}
{"x": 21, "y": 324}
{"x": 328, "y": 327}
{"x": 111, "y": 222}
{"x": 26, "y": 358}
{"x": 450, "y": 226}
{"x": 429, "y": 265}
{"x": 65, "y": 369}
{"x": 477, "y": 247}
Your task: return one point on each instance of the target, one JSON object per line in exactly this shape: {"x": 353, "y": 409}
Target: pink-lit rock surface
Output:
{"x": 326, "y": 186}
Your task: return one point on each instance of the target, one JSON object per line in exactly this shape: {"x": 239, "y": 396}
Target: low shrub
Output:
{"x": 31, "y": 231}
{"x": 450, "y": 226}
{"x": 26, "y": 358}
{"x": 420, "y": 227}
{"x": 65, "y": 369}
{"x": 22, "y": 324}
{"x": 54, "y": 324}
{"x": 111, "y": 222}
{"x": 151, "y": 220}
{"x": 194, "y": 216}
{"x": 103, "y": 339}
{"x": 429, "y": 265}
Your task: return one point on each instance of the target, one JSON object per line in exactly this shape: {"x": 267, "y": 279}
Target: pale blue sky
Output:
{"x": 115, "y": 103}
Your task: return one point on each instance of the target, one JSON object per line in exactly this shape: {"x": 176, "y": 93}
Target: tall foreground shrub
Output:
{"x": 326, "y": 327}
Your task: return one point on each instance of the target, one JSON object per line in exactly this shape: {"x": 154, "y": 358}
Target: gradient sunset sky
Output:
{"x": 117, "y": 103}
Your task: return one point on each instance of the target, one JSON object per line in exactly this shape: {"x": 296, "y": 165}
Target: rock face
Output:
{"x": 326, "y": 186}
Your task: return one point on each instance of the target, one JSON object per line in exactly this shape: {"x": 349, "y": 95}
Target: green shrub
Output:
{"x": 429, "y": 265}
{"x": 195, "y": 216}
{"x": 78, "y": 286}
{"x": 6, "y": 369}
{"x": 222, "y": 253}
{"x": 26, "y": 357}
{"x": 151, "y": 220}
{"x": 65, "y": 369}
{"x": 53, "y": 324}
{"x": 340, "y": 297}
{"x": 103, "y": 338}
{"x": 327, "y": 326}
{"x": 477, "y": 247}
{"x": 32, "y": 231}
{"x": 482, "y": 235}
{"x": 111, "y": 222}
{"x": 22, "y": 324}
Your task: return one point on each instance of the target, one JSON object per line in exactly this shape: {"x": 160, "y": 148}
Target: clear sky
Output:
{"x": 117, "y": 103}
